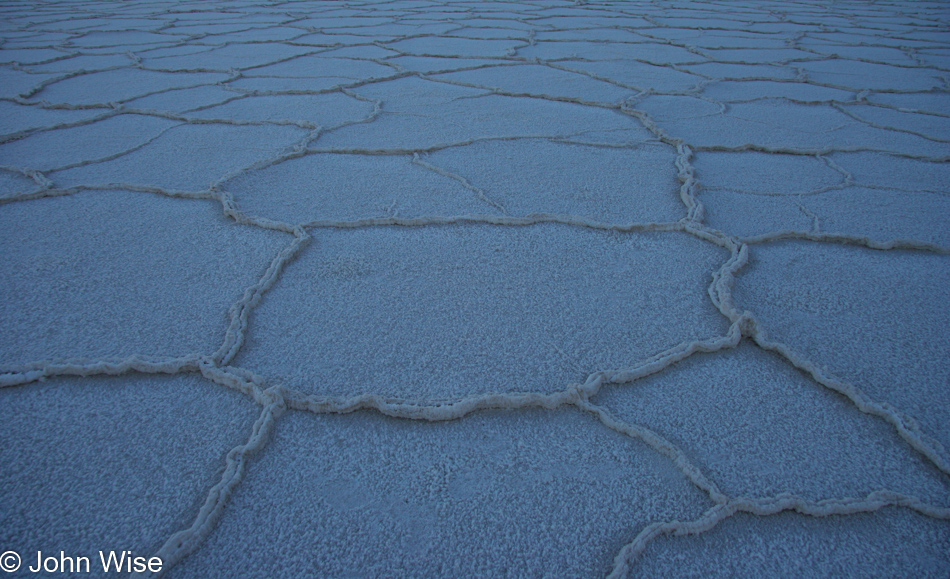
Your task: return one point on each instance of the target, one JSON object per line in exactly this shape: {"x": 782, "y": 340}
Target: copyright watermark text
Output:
{"x": 107, "y": 561}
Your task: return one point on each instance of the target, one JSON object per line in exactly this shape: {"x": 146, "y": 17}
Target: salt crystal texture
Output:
{"x": 464, "y": 288}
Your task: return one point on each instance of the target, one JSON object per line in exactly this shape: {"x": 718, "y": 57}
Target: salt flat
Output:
{"x": 473, "y": 288}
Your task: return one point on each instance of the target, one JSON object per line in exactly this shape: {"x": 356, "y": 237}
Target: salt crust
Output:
{"x": 820, "y": 135}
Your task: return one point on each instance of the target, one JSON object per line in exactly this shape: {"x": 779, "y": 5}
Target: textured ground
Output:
{"x": 415, "y": 288}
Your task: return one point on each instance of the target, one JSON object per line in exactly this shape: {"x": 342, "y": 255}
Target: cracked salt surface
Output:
{"x": 477, "y": 289}
{"x": 106, "y": 454}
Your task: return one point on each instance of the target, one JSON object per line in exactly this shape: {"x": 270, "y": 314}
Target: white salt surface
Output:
{"x": 473, "y": 499}
{"x": 446, "y": 311}
{"x": 889, "y": 543}
{"x": 94, "y": 275}
{"x": 89, "y": 460}
{"x": 421, "y": 288}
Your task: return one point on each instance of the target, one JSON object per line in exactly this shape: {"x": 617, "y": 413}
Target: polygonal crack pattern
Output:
{"x": 511, "y": 289}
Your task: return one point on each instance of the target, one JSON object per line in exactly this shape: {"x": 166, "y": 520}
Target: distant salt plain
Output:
{"x": 418, "y": 288}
